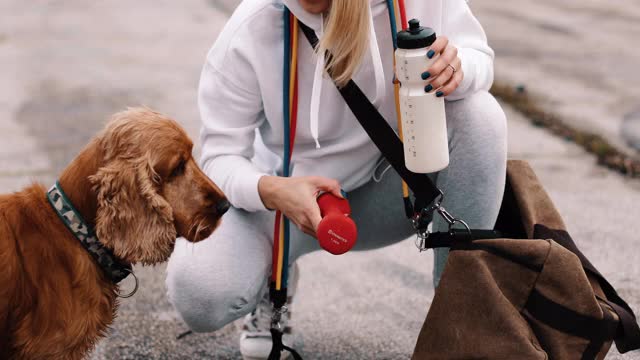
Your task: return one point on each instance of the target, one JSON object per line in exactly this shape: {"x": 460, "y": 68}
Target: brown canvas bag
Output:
{"x": 524, "y": 299}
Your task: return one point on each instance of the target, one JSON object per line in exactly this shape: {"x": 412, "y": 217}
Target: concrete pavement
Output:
{"x": 67, "y": 66}
{"x": 579, "y": 58}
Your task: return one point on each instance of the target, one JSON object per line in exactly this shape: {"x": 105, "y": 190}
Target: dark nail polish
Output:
{"x": 439, "y": 94}
{"x": 428, "y": 88}
{"x": 430, "y": 54}
{"x": 425, "y": 75}
{"x": 344, "y": 193}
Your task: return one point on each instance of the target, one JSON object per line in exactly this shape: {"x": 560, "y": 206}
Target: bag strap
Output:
{"x": 383, "y": 136}
{"x": 629, "y": 333}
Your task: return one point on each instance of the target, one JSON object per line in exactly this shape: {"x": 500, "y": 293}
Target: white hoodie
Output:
{"x": 241, "y": 91}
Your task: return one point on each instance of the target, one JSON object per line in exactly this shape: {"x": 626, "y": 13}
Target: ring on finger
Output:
{"x": 452, "y": 68}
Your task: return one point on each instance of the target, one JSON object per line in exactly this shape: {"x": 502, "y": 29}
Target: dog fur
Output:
{"x": 138, "y": 186}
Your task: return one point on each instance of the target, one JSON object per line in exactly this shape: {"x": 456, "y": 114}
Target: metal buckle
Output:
{"x": 421, "y": 239}
{"x": 452, "y": 220}
{"x": 423, "y": 234}
{"x": 277, "y": 315}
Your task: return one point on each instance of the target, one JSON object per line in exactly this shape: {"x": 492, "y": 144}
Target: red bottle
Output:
{"x": 336, "y": 232}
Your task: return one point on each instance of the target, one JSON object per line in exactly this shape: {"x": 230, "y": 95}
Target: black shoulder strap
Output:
{"x": 381, "y": 133}
{"x": 629, "y": 337}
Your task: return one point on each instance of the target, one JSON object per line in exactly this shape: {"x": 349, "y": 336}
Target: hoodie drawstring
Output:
{"x": 376, "y": 59}
{"x": 318, "y": 78}
{"x": 316, "y": 92}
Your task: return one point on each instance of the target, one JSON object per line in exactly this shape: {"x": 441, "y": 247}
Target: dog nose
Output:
{"x": 222, "y": 207}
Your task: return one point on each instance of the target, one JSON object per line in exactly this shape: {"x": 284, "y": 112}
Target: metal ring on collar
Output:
{"x": 135, "y": 288}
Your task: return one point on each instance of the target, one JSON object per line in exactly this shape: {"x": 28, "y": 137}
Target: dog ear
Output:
{"x": 132, "y": 218}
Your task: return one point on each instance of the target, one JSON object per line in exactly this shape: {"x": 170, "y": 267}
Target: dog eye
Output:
{"x": 179, "y": 169}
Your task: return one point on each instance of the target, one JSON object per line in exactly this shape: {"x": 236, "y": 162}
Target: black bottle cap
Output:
{"x": 416, "y": 37}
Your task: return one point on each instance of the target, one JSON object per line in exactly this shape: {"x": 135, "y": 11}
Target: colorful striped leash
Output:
{"x": 280, "y": 256}
{"x": 290, "y": 93}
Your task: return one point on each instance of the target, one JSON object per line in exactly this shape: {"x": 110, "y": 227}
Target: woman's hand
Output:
{"x": 296, "y": 198}
{"x": 445, "y": 74}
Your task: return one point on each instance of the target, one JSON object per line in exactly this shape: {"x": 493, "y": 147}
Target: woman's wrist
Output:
{"x": 266, "y": 189}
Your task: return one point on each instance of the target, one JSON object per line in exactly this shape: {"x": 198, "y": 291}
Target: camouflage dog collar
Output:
{"x": 72, "y": 219}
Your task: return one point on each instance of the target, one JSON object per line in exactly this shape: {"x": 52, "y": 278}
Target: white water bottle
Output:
{"x": 424, "y": 125}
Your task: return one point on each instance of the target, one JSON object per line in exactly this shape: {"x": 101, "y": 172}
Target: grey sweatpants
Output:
{"x": 220, "y": 279}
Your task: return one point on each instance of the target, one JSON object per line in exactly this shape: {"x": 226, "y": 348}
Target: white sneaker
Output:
{"x": 255, "y": 338}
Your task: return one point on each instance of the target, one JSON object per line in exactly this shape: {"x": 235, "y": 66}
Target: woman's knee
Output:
{"x": 215, "y": 281}
{"x": 208, "y": 302}
{"x": 478, "y": 118}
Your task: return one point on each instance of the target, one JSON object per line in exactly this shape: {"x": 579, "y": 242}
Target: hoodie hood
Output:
{"x": 316, "y": 22}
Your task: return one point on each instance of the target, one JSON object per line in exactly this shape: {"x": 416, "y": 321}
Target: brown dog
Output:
{"x": 139, "y": 187}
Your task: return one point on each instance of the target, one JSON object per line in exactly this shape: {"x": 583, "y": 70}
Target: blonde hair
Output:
{"x": 346, "y": 38}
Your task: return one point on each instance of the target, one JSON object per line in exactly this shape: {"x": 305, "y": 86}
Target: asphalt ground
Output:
{"x": 66, "y": 66}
